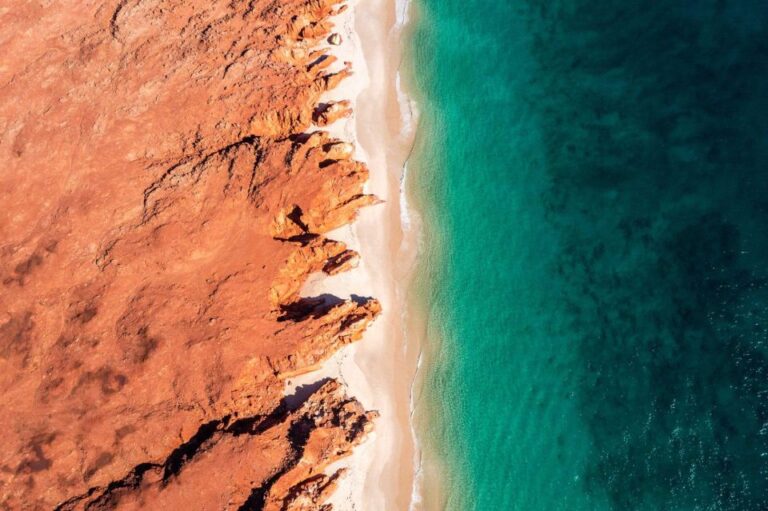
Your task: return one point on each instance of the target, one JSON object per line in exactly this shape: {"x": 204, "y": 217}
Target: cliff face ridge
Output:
{"x": 163, "y": 203}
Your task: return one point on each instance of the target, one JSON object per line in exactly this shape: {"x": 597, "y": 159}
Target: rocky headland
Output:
{"x": 164, "y": 198}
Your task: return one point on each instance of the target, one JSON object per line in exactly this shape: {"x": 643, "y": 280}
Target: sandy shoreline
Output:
{"x": 379, "y": 369}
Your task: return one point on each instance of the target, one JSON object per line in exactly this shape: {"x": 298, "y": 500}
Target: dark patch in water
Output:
{"x": 660, "y": 199}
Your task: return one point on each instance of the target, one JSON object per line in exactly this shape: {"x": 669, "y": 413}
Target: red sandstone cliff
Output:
{"x": 160, "y": 208}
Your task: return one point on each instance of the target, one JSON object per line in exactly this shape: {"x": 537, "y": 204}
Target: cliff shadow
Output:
{"x": 312, "y": 307}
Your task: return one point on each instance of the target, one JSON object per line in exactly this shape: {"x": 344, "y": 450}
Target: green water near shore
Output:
{"x": 594, "y": 180}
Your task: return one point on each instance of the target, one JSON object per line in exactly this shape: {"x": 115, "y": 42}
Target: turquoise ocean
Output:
{"x": 593, "y": 179}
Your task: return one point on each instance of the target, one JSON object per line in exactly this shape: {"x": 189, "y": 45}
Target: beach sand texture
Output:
{"x": 378, "y": 370}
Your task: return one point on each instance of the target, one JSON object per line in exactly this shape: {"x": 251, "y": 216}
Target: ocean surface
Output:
{"x": 593, "y": 178}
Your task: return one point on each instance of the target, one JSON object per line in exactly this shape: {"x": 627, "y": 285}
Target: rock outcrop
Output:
{"x": 162, "y": 204}
{"x": 328, "y": 113}
{"x": 285, "y": 452}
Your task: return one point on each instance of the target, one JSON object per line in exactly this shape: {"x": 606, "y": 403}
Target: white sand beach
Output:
{"x": 379, "y": 369}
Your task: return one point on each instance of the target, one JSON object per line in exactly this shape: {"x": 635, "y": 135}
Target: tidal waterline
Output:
{"x": 594, "y": 180}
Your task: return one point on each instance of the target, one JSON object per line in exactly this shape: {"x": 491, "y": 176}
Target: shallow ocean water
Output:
{"x": 594, "y": 179}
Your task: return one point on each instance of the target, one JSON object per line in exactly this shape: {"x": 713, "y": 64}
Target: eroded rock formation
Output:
{"x": 162, "y": 204}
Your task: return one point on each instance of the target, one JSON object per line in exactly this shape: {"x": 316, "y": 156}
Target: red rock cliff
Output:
{"x": 162, "y": 205}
